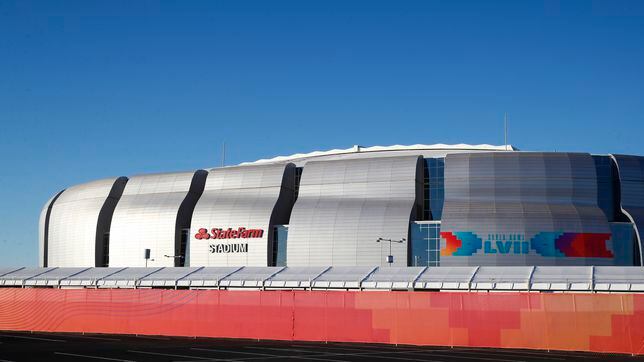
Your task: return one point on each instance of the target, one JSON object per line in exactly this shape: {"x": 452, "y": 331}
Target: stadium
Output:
{"x": 428, "y": 245}
{"x": 421, "y": 205}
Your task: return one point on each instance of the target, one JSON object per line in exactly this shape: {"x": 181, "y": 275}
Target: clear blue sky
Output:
{"x": 93, "y": 89}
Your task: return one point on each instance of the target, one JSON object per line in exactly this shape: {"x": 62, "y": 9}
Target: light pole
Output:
{"x": 146, "y": 255}
{"x": 390, "y": 258}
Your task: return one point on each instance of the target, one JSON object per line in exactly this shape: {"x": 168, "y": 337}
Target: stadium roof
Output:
{"x": 360, "y": 149}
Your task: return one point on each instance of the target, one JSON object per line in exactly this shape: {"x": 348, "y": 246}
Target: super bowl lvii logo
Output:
{"x": 545, "y": 243}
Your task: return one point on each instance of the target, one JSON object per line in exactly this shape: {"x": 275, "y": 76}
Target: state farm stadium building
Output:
{"x": 425, "y": 205}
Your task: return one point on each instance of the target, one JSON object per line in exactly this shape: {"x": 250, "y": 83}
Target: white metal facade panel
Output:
{"x": 73, "y": 222}
{"x": 41, "y": 232}
{"x": 531, "y": 195}
{"x": 343, "y": 207}
{"x": 241, "y": 197}
{"x": 145, "y": 218}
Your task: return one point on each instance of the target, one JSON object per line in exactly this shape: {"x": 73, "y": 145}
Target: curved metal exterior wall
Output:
{"x": 631, "y": 179}
{"x": 105, "y": 221}
{"x": 344, "y": 206}
{"x": 43, "y": 230}
{"x": 523, "y": 209}
{"x": 250, "y": 197}
{"x": 146, "y": 217}
{"x": 74, "y": 223}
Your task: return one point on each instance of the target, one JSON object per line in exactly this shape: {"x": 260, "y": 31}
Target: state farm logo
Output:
{"x": 230, "y": 233}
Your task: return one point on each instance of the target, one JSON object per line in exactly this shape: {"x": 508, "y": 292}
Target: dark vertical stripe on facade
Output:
{"x": 105, "y": 220}
{"x": 46, "y": 232}
{"x": 282, "y": 210}
{"x": 417, "y": 211}
{"x": 631, "y": 195}
{"x": 184, "y": 215}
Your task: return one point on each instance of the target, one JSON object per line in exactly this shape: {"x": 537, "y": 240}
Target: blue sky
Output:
{"x": 95, "y": 89}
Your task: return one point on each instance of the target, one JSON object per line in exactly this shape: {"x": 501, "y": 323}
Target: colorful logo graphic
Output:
{"x": 572, "y": 244}
{"x": 230, "y": 233}
{"x": 545, "y": 243}
{"x": 462, "y": 243}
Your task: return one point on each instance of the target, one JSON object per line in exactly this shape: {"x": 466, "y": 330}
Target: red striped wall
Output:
{"x": 585, "y": 322}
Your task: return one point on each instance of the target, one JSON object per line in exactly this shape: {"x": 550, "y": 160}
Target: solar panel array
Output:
{"x": 18, "y": 277}
{"x": 393, "y": 278}
{"x": 88, "y": 277}
{"x": 343, "y": 277}
{"x": 128, "y": 277}
{"x": 249, "y": 277}
{"x": 540, "y": 278}
{"x": 295, "y": 277}
{"x": 53, "y": 276}
{"x": 207, "y": 277}
{"x": 4, "y": 271}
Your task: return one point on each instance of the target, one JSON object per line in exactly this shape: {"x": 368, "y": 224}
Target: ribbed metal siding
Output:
{"x": 252, "y": 197}
{"x": 43, "y": 231}
{"x": 145, "y": 218}
{"x": 631, "y": 178}
{"x": 521, "y": 193}
{"x": 73, "y": 224}
{"x": 344, "y": 206}
{"x": 105, "y": 222}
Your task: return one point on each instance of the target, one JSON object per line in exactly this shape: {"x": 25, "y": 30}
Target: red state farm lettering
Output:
{"x": 230, "y": 233}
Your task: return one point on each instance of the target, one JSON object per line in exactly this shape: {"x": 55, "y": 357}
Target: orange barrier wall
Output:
{"x": 585, "y": 322}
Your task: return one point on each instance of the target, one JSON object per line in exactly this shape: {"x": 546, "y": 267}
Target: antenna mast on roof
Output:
{"x": 505, "y": 130}
{"x": 223, "y": 154}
